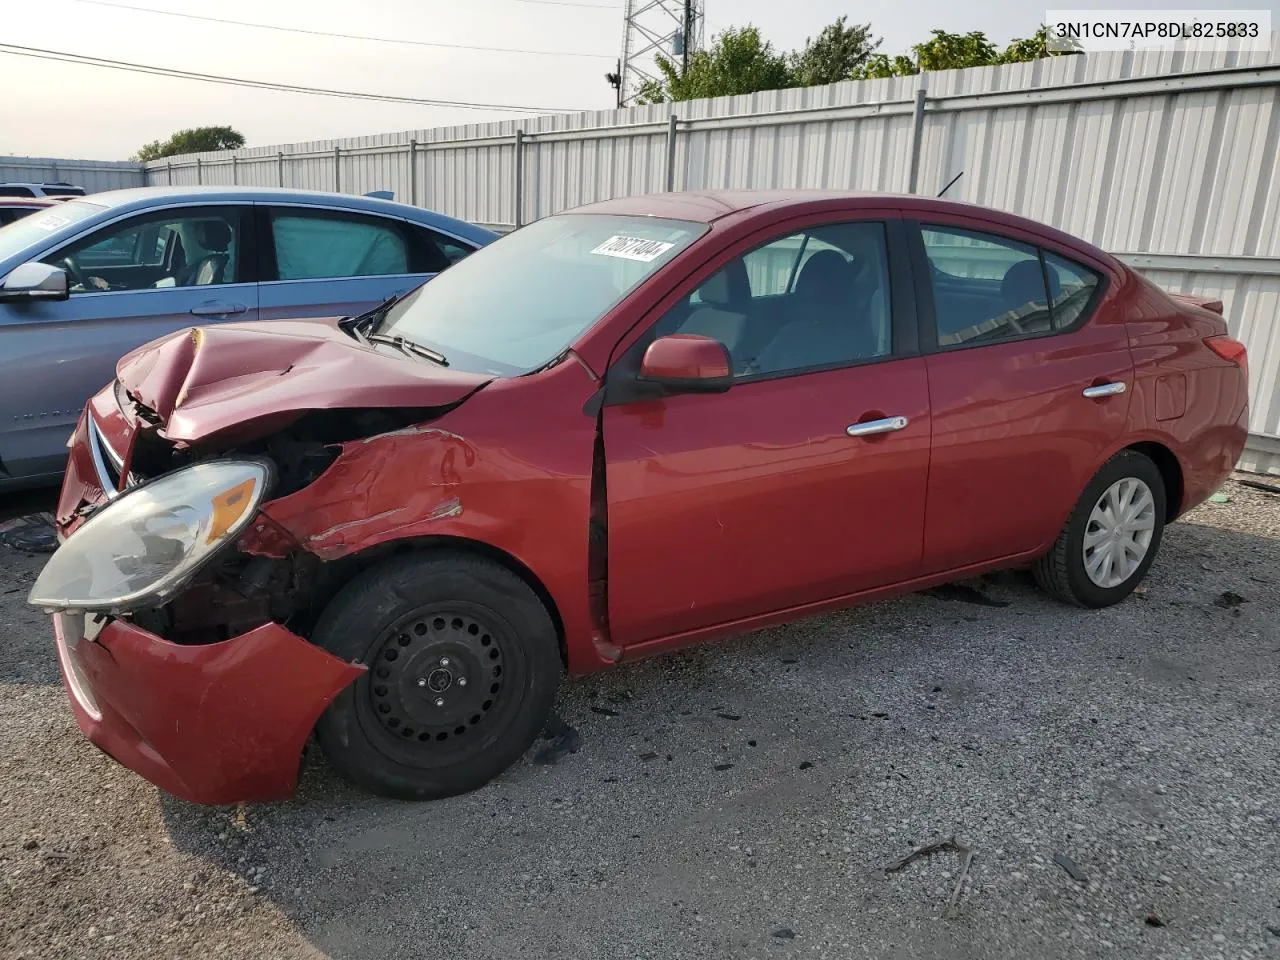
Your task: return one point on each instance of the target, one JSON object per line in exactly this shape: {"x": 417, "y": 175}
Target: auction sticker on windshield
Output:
{"x": 633, "y": 248}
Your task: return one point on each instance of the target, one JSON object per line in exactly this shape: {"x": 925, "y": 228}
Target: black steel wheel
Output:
{"x": 463, "y": 664}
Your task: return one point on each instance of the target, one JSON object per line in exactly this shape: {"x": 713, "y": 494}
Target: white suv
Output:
{"x": 40, "y": 190}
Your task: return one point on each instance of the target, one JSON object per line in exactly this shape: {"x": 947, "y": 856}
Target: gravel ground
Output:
{"x": 740, "y": 800}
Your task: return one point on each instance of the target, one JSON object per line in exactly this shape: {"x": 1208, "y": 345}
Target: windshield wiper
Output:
{"x": 369, "y": 320}
{"x": 409, "y": 347}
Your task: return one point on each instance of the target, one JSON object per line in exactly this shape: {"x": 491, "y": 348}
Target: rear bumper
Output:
{"x": 217, "y": 723}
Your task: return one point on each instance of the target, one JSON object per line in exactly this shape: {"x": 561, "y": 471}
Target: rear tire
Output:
{"x": 1111, "y": 538}
{"x": 464, "y": 661}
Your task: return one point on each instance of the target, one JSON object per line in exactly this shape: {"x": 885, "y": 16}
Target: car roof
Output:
{"x": 708, "y": 206}
{"x": 142, "y": 198}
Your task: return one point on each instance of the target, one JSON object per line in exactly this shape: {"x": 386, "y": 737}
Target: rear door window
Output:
{"x": 988, "y": 288}
{"x": 325, "y": 244}
{"x": 450, "y": 250}
{"x": 985, "y": 288}
{"x": 1072, "y": 286}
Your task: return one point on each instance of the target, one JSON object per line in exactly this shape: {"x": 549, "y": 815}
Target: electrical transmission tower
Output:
{"x": 673, "y": 28}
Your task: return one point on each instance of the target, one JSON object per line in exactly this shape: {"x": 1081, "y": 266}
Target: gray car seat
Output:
{"x": 830, "y": 312}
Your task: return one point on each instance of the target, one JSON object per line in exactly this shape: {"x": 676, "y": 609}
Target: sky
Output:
{"x": 68, "y": 110}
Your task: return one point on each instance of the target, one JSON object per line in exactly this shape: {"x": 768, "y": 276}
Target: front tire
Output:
{"x": 1112, "y": 536}
{"x": 464, "y": 662}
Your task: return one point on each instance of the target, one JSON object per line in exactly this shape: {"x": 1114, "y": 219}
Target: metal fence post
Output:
{"x": 413, "y": 172}
{"x": 169, "y": 169}
{"x": 337, "y": 169}
{"x": 917, "y": 133}
{"x": 519, "y": 219}
{"x": 235, "y": 174}
{"x": 280, "y": 167}
{"x": 671, "y": 153}
{"x": 199, "y": 171}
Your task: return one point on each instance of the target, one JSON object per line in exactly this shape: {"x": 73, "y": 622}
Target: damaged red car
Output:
{"x": 638, "y": 425}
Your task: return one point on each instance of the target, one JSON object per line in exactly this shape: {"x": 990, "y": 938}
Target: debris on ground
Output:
{"x": 1219, "y": 498}
{"x": 950, "y": 844}
{"x": 966, "y": 594}
{"x": 1228, "y": 599}
{"x": 646, "y": 757}
{"x": 1069, "y": 865}
{"x": 722, "y": 767}
{"x": 564, "y": 739}
{"x": 1258, "y": 485}
{"x": 1153, "y": 921}
{"x": 604, "y": 711}
{"x": 728, "y": 716}
{"x": 34, "y": 533}
{"x": 785, "y": 933}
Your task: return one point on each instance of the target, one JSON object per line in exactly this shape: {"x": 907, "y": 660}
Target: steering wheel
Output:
{"x": 76, "y": 273}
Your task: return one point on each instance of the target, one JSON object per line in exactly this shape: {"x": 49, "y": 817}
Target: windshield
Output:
{"x": 32, "y": 229}
{"x": 516, "y": 304}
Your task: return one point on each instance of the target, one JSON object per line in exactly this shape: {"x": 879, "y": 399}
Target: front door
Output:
{"x": 1015, "y": 345}
{"x": 762, "y": 498}
{"x": 131, "y": 282}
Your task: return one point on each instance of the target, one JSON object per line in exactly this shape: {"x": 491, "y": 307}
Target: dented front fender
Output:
{"x": 510, "y": 469}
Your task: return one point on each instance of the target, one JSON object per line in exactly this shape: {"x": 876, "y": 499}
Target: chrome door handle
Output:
{"x": 218, "y": 309}
{"x": 872, "y": 427}
{"x": 1105, "y": 390}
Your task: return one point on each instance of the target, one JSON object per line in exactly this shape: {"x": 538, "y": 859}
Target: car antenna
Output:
{"x": 953, "y": 180}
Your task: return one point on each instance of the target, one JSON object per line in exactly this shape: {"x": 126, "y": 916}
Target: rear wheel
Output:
{"x": 463, "y": 663}
{"x": 1111, "y": 538}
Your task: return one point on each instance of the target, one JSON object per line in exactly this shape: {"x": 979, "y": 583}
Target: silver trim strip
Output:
{"x": 97, "y": 445}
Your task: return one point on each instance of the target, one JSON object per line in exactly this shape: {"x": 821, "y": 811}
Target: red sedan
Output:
{"x": 640, "y": 425}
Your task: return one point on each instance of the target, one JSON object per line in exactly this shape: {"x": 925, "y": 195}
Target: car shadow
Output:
{"x": 734, "y": 798}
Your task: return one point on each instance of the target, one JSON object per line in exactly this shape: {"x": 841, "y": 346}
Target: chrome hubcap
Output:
{"x": 1118, "y": 534}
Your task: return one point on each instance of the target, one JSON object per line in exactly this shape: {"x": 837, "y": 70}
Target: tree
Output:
{"x": 1036, "y": 47}
{"x": 955, "y": 51}
{"x": 194, "y": 140}
{"x": 739, "y": 61}
{"x": 838, "y": 53}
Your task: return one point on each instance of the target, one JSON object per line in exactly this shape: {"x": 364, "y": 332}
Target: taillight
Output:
{"x": 1233, "y": 351}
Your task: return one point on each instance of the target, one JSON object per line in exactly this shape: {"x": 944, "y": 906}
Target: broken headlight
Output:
{"x": 147, "y": 543}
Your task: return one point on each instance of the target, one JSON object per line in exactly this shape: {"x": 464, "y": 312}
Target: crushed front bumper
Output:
{"x": 216, "y": 723}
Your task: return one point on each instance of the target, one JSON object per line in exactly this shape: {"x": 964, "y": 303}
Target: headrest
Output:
{"x": 826, "y": 274}
{"x": 727, "y": 287}
{"x": 213, "y": 235}
{"x": 1024, "y": 283}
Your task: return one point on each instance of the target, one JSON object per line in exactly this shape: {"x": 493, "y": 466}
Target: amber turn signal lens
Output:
{"x": 228, "y": 507}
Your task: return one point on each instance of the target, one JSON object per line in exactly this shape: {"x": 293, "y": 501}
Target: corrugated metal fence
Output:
{"x": 1166, "y": 159}
{"x": 93, "y": 175}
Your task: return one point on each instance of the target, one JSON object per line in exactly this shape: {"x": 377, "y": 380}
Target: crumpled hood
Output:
{"x": 204, "y": 380}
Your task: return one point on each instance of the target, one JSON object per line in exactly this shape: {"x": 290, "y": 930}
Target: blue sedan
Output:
{"x": 87, "y": 281}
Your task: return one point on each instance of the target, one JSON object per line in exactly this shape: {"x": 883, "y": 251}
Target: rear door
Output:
{"x": 131, "y": 281}
{"x": 323, "y": 262}
{"x": 1029, "y": 380}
